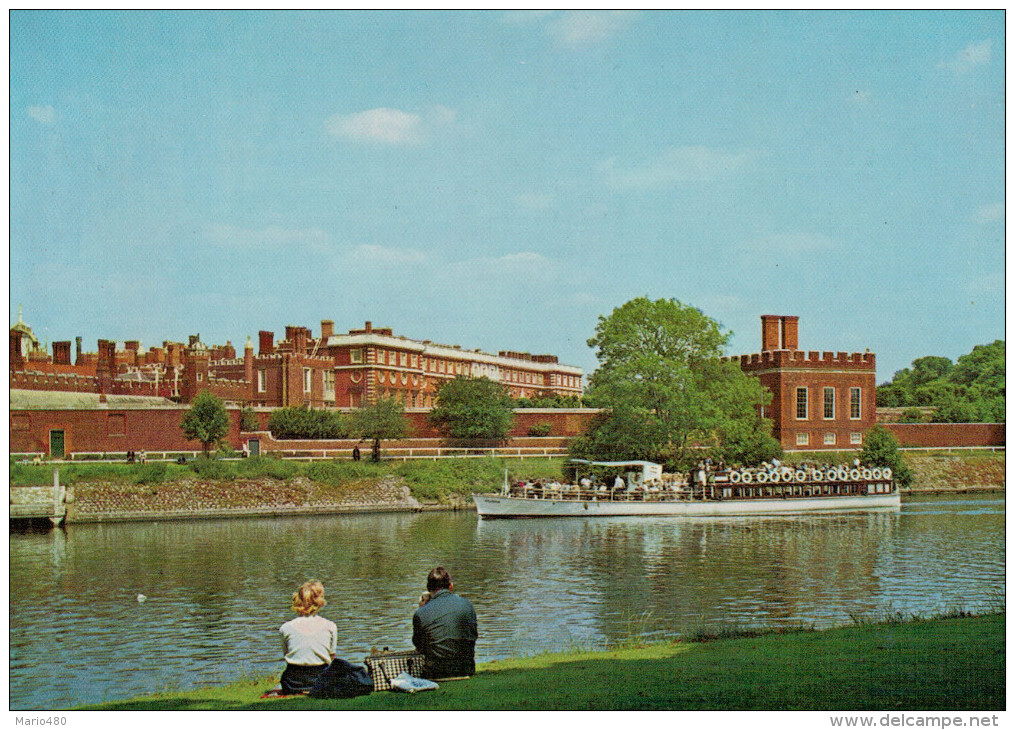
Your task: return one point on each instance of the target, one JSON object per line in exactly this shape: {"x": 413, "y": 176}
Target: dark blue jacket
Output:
{"x": 444, "y": 631}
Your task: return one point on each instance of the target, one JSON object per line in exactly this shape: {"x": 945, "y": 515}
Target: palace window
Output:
{"x": 306, "y": 380}
{"x": 801, "y": 404}
{"x": 829, "y": 403}
{"x": 404, "y": 359}
{"x": 802, "y": 439}
{"x": 830, "y": 438}
{"x": 856, "y": 437}
{"x": 356, "y": 356}
{"x": 262, "y": 381}
{"x": 854, "y": 403}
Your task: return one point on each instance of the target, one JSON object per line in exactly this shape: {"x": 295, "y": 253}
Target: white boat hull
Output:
{"x": 495, "y": 506}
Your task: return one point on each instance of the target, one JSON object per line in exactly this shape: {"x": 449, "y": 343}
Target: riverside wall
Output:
{"x": 103, "y": 501}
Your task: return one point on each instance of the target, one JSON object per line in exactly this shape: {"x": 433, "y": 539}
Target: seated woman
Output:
{"x": 308, "y": 641}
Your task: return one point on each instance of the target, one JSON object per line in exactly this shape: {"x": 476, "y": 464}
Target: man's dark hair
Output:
{"x": 438, "y": 579}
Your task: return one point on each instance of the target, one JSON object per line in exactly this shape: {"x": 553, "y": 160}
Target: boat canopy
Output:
{"x": 648, "y": 469}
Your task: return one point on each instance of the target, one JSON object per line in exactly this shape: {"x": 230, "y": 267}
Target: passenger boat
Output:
{"x": 647, "y": 491}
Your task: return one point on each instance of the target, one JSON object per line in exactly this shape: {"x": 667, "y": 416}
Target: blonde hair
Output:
{"x": 309, "y": 599}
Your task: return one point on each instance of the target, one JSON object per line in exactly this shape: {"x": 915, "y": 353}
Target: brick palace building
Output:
{"x": 330, "y": 371}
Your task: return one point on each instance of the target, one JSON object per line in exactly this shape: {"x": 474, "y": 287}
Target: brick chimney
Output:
{"x": 17, "y": 356}
{"x": 327, "y": 329}
{"x": 61, "y": 352}
{"x": 266, "y": 342}
{"x": 790, "y": 329}
{"x": 769, "y": 332}
{"x": 105, "y": 367}
{"x": 77, "y": 345}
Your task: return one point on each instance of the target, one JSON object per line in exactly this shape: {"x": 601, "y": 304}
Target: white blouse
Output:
{"x": 309, "y": 640}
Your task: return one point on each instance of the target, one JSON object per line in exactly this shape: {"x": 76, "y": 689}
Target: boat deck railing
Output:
{"x": 715, "y": 491}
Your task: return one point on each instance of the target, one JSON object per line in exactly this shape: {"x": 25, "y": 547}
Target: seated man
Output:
{"x": 444, "y": 630}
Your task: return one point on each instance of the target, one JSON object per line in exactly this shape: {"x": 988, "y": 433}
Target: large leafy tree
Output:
{"x": 665, "y": 388}
{"x": 473, "y": 408}
{"x": 379, "y": 421}
{"x": 207, "y": 420}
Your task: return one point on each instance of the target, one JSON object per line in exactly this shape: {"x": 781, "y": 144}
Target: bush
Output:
{"x": 540, "y": 429}
{"x": 208, "y": 468}
{"x": 303, "y": 423}
{"x": 881, "y": 448}
{"x": 153, "y": 472}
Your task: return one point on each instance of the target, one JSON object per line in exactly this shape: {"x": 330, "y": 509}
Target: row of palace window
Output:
{"x": 405, "y": 359}
{"x": 827, "y": 403}
{"x": 803, "y": 438}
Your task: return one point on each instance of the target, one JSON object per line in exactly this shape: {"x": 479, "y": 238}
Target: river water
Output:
{"x": 217, "y": 591}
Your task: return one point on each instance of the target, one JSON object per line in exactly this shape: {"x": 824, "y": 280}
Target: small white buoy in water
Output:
{"x": 141, "y": 598}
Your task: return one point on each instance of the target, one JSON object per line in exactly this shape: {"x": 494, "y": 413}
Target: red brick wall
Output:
{"x": 101, "y": 430}
{"x": 931, "y": 435}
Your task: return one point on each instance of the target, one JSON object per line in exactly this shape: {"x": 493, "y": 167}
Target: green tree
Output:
{"x": 881, "y": 448}
{"x": 664, "y": 386}
{"x": 382, "y": 420}
{"x": 249, "y": 420}
{"x": 207, "y": 420}
{"x": 973, "y": 389}
{"x": 473, "y": 408}
{"x": 300, "y": 422}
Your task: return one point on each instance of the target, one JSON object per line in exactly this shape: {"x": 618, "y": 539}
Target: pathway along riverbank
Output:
{"x": 900, "y": 665}
{"x": 392, "y": 487}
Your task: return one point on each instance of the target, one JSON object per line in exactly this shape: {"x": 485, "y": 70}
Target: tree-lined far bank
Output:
{"x": 970, "y": 390}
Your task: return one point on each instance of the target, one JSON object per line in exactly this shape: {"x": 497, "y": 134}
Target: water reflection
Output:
{"x": 217, "y": 591}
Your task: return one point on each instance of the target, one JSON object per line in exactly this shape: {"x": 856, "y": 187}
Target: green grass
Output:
{"x": 428, "y": 480}
{"x": 933, "y": 664}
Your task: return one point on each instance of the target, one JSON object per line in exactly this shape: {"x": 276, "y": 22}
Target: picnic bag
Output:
{"x": 385, "y": 665}
{"x": 342, "y": 679}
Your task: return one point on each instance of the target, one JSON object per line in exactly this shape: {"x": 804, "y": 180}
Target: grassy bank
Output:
{"x": 428, "y": 481}
{"x": 937, "y": 664}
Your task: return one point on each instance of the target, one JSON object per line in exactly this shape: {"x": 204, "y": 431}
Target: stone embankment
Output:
{"x": 206, "y": 499}
{"x": 958, "y": 473}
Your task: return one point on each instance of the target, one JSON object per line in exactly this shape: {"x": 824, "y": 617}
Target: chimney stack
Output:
{"x": 327, "y": 329}
{"x": 61, "y": 352}
{"x": 266, "y": 342}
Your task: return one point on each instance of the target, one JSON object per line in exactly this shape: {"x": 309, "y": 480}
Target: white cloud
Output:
{"x": 270, "y": 237}
{"x": 43, "y": 114}
{"x": 586, "y": 27}
{"x": 989, "y": 214}
{"x": 390, "y": 126}
{"x": 973, "y": 55}
{"x": 382, "y": 255}
{"x": 677, "y": 165}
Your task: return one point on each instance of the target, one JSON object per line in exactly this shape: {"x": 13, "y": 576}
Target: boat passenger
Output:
{"x": 308, "y": 641}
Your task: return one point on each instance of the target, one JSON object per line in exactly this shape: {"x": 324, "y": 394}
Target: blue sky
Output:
{"x": 500, "y": 180}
